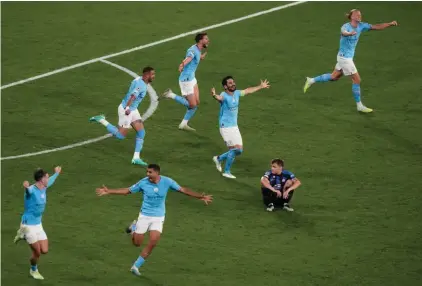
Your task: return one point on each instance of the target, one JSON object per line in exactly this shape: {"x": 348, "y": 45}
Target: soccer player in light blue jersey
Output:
{"x": 350, "y": 33}
{"x": 129, "y": 115}
{"x": 31, "y": 229}
{"x": 151, "y": 217}
{"x": 187, "y": 80}
{"x": 229, "y": 106}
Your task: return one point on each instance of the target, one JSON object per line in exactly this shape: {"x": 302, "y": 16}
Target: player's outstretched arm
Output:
{"x": 216, "y": 96}
{"x": 105, "y": 191}
{"x": 53, "y": 178}
{"x": 382, "y": 26}
{"x": 264, "y": 84}
{"x": 203, "y": 197}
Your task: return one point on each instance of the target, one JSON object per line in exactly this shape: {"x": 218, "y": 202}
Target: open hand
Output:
{"x": 207, "y": 199}
{"x": 58, "y": 169}
{"x": 102, "y": 191}
{"x": 394, "y": 23}
{"x": 265, "y": 84}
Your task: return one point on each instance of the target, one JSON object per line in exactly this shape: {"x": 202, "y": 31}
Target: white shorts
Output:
{"x": 187, "y": 87}
{"x": 126, "y": 120}
{"x": 33, "y": 233}
{"x": 346, "y": 65}
{"x": 148, "y": 223}
{"x": 231, "y": 136}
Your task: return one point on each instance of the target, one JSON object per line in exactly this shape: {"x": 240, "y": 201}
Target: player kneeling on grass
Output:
{"x": 277, "y": 186}
{"x": 129, "y": 115}
{"x": 31, "y": 228}
{"x": 151, "y": 217}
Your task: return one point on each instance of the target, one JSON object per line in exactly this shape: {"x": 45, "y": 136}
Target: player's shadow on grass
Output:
{"x": 251, "y": 198}
{"x": 149, "y": 281}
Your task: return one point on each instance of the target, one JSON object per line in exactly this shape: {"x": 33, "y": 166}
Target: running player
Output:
{"x": 31, "y": 228}
{"x": 350, "y": 33}
{"x": 187, "y": 81}
{"x": 151, "y": 217}
{"x": 129, "y": 115}
{"x": 229, "y": 106}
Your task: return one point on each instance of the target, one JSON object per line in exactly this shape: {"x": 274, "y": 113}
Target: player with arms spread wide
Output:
{"x": 129, "y": 115}
{"x": 229, "y": 107}
{"x": 350, "y": 33}
{"x": 151, "y": 217}
{"x": 31, "y": 228}
{"x": 187, "y": 81}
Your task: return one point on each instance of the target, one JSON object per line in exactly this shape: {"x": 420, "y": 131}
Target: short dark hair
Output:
{"x": 278, "y": 161}
{"x": 147, "y": 69}
{"x": 200, "y": 36}
{"x": 226, "y": 79}
{"x": 39, "y": 174}
{"x": 155, "y": 167}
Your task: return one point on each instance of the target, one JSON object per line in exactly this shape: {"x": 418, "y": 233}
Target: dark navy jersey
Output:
{"x": 278, "y": 181}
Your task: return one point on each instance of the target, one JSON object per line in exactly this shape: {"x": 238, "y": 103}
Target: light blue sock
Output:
{"x": 223, "y": 157}
{"x": 115, "y": 131}
{"x": 190, "y": 113}
{"x": 34, "y": 267}
{"x": 230, "y": 160}
{"x": 323, "y": 78}
{"x": 181, "y": 100}
{"x": 356, "y": 91}
{"x": 138, "y": 263}
{"x": 139, "y": 140}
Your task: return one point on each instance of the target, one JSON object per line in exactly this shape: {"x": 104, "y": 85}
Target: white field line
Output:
{"x": 153, "y": 106}
{"x": 153, "y": 44}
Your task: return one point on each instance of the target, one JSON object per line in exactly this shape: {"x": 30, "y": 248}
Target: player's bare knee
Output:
{"x": 44, "y": 251}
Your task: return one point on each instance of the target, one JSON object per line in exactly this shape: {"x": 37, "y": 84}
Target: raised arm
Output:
{"x": 203, "y": 197}
{"x": 264, "y": 84}
{"x": 53, "y": 178}
{"x": 105, "y": 191}
{"x": 216, "y": 96}
{"x": 382, "y": 26}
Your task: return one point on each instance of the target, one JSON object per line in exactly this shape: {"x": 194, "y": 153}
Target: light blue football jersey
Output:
{"x": 154, "y": 195}
{"x": 138, "y": 88}
{"x": 348, "y": 44}
{"x": 34, "y": 202}
{"x": 229, "y": 108}
{"x": 188, "y": 72}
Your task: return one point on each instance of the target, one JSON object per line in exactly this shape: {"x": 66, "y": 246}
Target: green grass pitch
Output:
{"x": 357, "y": 218}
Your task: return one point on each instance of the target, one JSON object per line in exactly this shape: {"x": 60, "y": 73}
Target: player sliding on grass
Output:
{"x": 229, "y": 106}
{"x": 151, "y": 217}
{"x": 350, "y": 33}
{"x": 129, "y": 114}
{"x": 31, "y": 228}
{"x": 187, "y": 81}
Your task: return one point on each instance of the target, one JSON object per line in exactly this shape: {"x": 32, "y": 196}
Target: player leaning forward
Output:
{"x": 129, "y": 114}
{"x": 154, "y": 188}
{"x": 229, "y": 107}
{"x": 349, "y": 37}
{"x": 31, "y": 229}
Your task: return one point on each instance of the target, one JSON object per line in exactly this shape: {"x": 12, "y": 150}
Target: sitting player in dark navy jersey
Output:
{"x": 277, "y": 186}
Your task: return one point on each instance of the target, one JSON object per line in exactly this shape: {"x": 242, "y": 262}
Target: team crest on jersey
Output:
{"x": 42, "y": 196}
{"x": 156, "y": 190}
